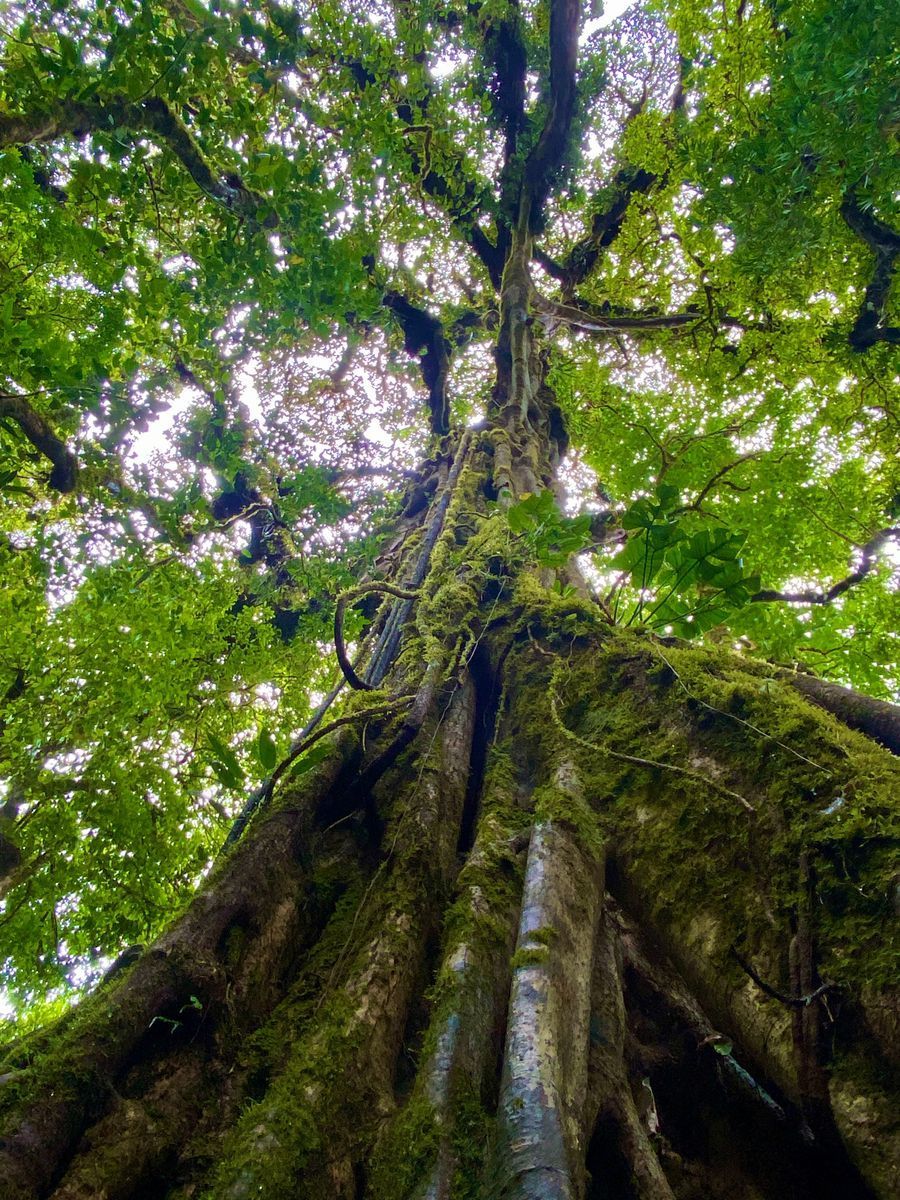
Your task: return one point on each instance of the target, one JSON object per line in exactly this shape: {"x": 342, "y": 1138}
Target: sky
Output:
{"x": 611, "y": 10}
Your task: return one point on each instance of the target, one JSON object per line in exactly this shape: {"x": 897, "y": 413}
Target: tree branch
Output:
{"x": 151, "y": 115}
{"x": 423, "y": 335}
{"x": 885, "y": 245}
{"x": 791, "y": 1001}
{"x": 868, "y": 558}
{"x": 878, "y": 719}
{"x": 606, "y": 226}
{"x": 695, "y": 504}
{"x": 505, "y": 51}
{"x": 44, "y": 439}
{"x": 576, "y": 317}
{"x": 547, "y": 155}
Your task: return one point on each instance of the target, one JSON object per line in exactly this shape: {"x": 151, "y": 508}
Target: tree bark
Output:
{"x": 405, "y": 980}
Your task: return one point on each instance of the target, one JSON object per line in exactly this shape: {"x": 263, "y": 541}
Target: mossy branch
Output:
{"x": 884, "y": 242}
{"x": 739, "y": 720}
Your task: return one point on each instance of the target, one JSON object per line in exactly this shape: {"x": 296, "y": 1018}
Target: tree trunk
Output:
{"x": 593, "y": 916}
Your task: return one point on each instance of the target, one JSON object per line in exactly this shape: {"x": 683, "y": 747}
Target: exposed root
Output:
{"x": 74, "y": 1075}
{"x": 541, "y": 1144}
{"x": 319, "y": 1115}
{"x": 432, "y": 1144}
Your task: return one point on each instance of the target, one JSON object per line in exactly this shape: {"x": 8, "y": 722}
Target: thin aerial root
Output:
{"x": 356, "y": 681}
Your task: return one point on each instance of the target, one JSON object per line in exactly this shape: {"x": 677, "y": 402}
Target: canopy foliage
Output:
{"x": 249, "y": 275}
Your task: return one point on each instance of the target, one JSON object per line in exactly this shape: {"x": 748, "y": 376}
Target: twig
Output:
{"x": 644, "y": 762}
{"x": 792, "y": 1001}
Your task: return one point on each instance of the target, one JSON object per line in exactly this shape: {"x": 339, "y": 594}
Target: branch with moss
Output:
{"x": 884, "y": 243}
{"x": 423, "y": 336}
{"x": 150, "y": 116}
{"x": 576, "y": 317}
{"x": 505, "y": 50}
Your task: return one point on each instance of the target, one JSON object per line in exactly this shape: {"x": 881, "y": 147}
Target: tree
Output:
{"x": 540, "y": 365}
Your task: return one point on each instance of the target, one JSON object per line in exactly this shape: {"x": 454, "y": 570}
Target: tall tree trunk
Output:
{"x": 585, "y": 914}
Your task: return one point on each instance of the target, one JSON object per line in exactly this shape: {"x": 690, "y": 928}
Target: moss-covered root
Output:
{"x": 609, "y": 1095}
{"x": 74, "y": 1077}
{"x": 876, "y": 718}
{"x": 434, "y": 1148}
{"x": 133, "y": 1145}
{"x": 541, "y": 1141}
{"x": 315, "y": 1125}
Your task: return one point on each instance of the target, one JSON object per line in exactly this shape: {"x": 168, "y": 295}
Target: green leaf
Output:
{"x": 266, "y": 750}
{"x": 225, "y": 763}
{"x": 311, "y": 758}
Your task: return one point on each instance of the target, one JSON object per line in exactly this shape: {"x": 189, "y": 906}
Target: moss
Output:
{"x": 545, "y": 936}
{"x": 267, "y": 1150}
{"x": 559, "y": 620}
{"x": 552, "y": 803}
{"x": 69, "y": 1061}
{"x": 472, "y": 1127}
{"x": 482, "y": 919}
{"x": 815, "y": 786}
{"x": 235, "y": 945}
{"x": 529, "y": 956}
{"x": 341, "y": 889}
{"x": 405, "y": 1155}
